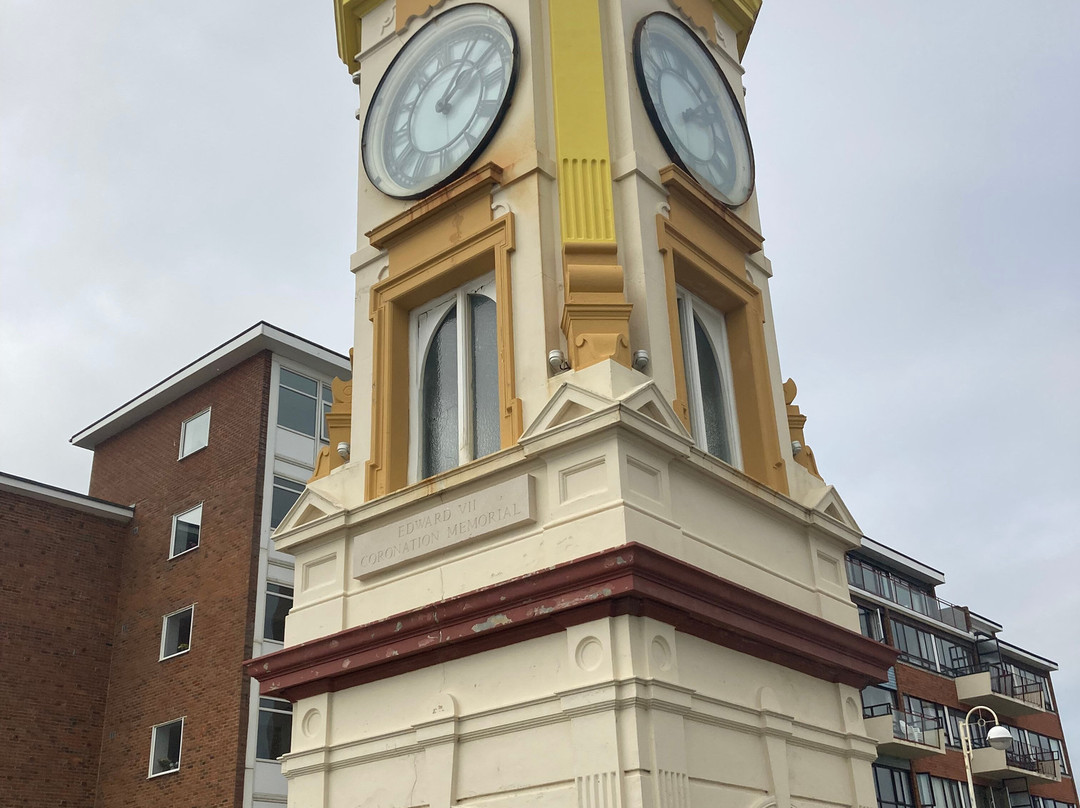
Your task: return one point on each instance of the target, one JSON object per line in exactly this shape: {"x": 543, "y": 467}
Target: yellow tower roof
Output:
{"x": 739, "y": 14}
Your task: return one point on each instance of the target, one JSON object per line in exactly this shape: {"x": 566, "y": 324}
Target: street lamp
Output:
{"x": 997, "y": 736}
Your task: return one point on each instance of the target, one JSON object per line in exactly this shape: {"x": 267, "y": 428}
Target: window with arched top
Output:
{"x": 707, "y": 364}
{"x": 455, "y": 380}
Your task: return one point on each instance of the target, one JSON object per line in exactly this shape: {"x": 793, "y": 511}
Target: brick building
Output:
{"x": 173, "y": 590}
{"x": 61, "y": 565}
{"x": 950, "y": 661}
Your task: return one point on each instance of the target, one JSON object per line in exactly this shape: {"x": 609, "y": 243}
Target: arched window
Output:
{"x": 455, "y": 376}
{"x": 707, "y": 365}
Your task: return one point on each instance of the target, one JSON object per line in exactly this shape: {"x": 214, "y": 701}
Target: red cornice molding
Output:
{"x": 631, "y": 579}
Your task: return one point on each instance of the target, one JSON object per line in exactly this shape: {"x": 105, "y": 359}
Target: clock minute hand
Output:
{"x": 443, "y": 104}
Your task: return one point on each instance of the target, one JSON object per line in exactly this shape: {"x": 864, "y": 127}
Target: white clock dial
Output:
{"x": 693, "y": 108}
{"x": 440, "y": 101}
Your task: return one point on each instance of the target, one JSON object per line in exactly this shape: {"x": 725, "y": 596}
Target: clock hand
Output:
{"x": 701, "y": 111}
{"x": 443, "y": 104}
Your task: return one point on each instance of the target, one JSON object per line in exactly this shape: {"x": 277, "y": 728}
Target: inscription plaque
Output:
{"x": 446, "y": 524}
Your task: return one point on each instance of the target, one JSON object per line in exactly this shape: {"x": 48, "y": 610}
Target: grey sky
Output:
{"x": 172, "y": 173}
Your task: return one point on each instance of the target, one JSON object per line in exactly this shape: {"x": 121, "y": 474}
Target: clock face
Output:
{"x": 440, "y": 101}
{"x": 693, "y": 108}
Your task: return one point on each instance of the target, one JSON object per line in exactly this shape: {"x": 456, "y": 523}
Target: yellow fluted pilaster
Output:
{"x": 596, "y": 316}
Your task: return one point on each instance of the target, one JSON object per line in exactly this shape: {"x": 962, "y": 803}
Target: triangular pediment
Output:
{"x": 310, "y": 507}
{"x": 833, "y": 506}
{"x": 569, "y": 403}
{"x": 649, "y": 401}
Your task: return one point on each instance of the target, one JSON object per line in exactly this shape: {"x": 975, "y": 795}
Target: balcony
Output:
{"x": 896, "y": 590}
{"x": 903, "y": 735}
{"x": 991, "y": 685}
{"x": 1037, "y": 765}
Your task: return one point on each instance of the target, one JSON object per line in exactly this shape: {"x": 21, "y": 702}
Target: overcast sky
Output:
{"x": 172, "y": 173}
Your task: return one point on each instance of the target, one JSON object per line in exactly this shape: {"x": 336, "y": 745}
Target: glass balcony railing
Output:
{"x": 920, "y": 729}
{"x": 1006, "y": 683}
{"x": 896, "y": 590}
{"x": 1023, "y": 756}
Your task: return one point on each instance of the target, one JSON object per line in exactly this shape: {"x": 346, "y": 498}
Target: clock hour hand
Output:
{"x": 704, "y": 112}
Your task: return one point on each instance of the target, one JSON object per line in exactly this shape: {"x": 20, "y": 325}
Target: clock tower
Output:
{"x": 572, "y": 549}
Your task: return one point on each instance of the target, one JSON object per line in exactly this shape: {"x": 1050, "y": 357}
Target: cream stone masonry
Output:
{"x": 620, "y": 711}
{"x": 599, "y": 614}
{"x": 442, "y": 524}
{"x": 611, "y": 464}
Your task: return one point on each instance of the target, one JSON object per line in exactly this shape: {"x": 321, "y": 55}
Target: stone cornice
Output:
{"x": 630, "y": 579}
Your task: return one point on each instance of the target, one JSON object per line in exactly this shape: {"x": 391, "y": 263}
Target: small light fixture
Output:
{"x": 999, "y": 737}
{"x": 796, "y": 447}
{"x": 557, "y": 361}
{"x": 343, "y": 450}
{"x": 640, "y": 360}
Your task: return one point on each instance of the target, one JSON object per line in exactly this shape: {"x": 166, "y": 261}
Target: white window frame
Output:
{"x": 162, "y": 656}
{"x": 274, "y": 487}
{"x": 715, "y": 326}
{"x": 184, "y": 429}
{"x": 271, "y": 709}
{"x": 291, "y": 597}
{"x": 153, "y": 747}
{"x": 173, "y": 552}
{"x": 423, "y": 322}
{"x": 323, "y": 400}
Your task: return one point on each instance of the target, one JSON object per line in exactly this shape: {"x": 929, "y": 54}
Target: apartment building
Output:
{"x": 952, "y": 659}
{"x": 61, "y": 564}
{"x": 182, "y": 586}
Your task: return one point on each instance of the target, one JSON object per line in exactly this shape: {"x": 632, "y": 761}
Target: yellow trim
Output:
{"x": 581, "y": 127}
{"x": 338, "y": 427}
{"x": 741, "y": 16}
{"x": 437, "y": 245}
{"x": 704, "y": 246}
{"x": 348, "y": 16}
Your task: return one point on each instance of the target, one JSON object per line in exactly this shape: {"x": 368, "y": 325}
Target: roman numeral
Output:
{"x": 487, "y": 108}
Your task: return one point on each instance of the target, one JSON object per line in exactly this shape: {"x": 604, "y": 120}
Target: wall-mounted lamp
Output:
{"x": 343, "y": 450}
{"x": 997, "y": 736}
{"x": 640, "y": 360}
{"x": 796, "y": 447}
{"x": 557, "y": 361}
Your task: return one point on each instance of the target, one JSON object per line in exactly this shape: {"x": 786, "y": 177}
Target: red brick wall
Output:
{"x": 57, "y": 606}
{"x": 932, "y": 687}
{"x": 206, "y": 685}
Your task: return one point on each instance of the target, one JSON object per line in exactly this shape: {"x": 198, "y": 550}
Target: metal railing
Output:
{"x": 1028, "y": 758}
{"x": 877, "y": 710}
{"x": 896, "y": 590}
{"x": 1006, "y": 683}
{"x": 931, "y": 665}
{"x": 916, "y": 728}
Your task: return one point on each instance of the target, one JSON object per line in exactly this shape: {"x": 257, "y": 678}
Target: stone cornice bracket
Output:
{"x": 804, "y": 455}
{"x": 596, "y": 315}
{"x": 338, "y": 427}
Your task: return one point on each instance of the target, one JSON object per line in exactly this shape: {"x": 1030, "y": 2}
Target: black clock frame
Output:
{"x": 654, "y": 118}
{"x": 496, "y": 122}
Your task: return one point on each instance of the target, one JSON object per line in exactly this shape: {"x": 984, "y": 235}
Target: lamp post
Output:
{"x": 997, "y": 736}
